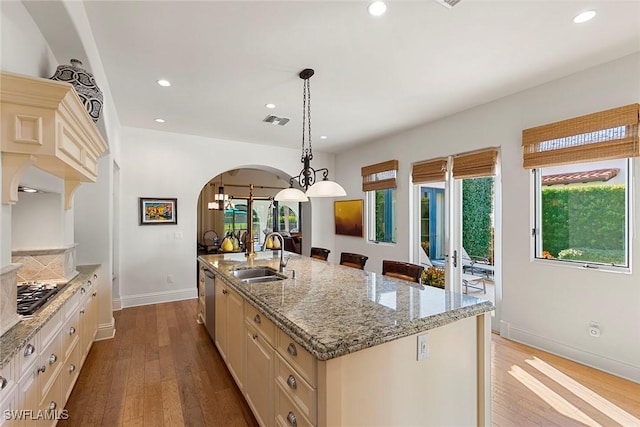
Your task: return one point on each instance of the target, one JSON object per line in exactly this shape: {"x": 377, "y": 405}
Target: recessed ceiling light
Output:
{"x": 164, "y": 83}
{"x": 271, "y": 106}
{"x": 377, "y": 8}
{"x": 323, "y": 137}
{"x": 584, "y": 16}
{"x": 159, "y": 120}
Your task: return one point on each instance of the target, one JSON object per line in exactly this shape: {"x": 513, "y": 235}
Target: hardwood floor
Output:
{"x": 162, "y": 369}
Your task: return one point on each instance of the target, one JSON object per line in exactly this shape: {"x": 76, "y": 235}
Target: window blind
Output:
{"x": 429, "y": 171}
{"x": 379, "y": 176}
{"x": 476, "y": 164}
{"x": 609, "y": 134}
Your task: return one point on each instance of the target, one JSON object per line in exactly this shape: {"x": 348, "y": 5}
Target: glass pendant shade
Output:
{"x": 212, "y": 205}
{"x": 326, "y": 188}
{"x": 291, "y": 195}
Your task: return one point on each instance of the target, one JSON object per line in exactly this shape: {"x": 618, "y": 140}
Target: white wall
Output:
{"x": 543, "y": 305}
{"x": 161, "y": 164}
{"x": 23, "y": 50}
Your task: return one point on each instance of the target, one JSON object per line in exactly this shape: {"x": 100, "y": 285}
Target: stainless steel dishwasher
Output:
{"x": 210, "y": 302}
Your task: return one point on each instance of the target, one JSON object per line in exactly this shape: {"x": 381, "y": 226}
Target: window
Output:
{"x": 582, "y": 213}
{"x": 381, "y": 206}
{"x": 581, "y": 170}
{"x": 379, "y": 183}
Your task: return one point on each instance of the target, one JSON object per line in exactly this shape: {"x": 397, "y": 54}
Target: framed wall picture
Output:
{"x": 348, "y": 217}
{"x": 158, "y": 211}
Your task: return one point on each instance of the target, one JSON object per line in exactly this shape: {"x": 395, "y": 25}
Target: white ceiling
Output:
{"x": 374, "y": 76}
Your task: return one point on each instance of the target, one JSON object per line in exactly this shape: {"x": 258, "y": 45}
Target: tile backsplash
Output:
{"x": 52, "y": 265}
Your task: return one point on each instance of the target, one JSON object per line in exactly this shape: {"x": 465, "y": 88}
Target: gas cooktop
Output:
{"x": 33, "y": 295}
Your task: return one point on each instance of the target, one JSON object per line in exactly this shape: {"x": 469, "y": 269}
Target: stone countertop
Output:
{"x": 332, "y": 310}
{"x": 18, "y": 336}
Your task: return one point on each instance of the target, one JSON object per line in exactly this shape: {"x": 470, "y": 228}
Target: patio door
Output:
{"x": 459, "y": 208}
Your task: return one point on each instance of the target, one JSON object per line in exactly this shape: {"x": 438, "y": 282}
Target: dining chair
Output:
{"x": 402, "y": 270}
{"x": 320, "y": 253}
{"x": 353, "y": 260}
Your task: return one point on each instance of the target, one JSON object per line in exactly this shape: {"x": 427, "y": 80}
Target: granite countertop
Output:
{"x": 18, "y": 336}
{"x": 332, "y": 310}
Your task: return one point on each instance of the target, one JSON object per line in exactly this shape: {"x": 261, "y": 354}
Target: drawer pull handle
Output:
{"x": 291, "y": 349}
{"x": 291, "y": 418}
{"x": 254, "y": 336}
{"x": 29, "y": 349}
{"x": 89, "y": 283}
{"x": 72, "y": 368}
{"x": 3, "y": 382}
{"x": 257, "y": 319}
{"x": 52, "y": 406}
{"x": 94, "y": 293}
{"x": 224, "y": 291}
{"x": 82, "y": 311}
{"x": 83, "y": 291}
{"x": 291, "y": 381}
{"x": 95, "y": 276}
{"x": 53, "y": 359}
{"x": 41, "y": 369}
{"x": 72, "y": 330}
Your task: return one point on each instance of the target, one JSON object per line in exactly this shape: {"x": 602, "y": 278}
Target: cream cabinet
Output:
{"x": 40, "y": 378}
{"x": 258, "y": 386}
{"x": 201, "y": 295}
{"x": 229, "y": 329}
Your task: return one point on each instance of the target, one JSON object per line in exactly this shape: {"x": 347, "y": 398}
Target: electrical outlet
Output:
{"x": 423, "y": 347}
{"x": 594, "y": 329}
{"x": 170, "y": 278}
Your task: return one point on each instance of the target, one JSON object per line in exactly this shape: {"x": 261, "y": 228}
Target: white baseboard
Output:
{"x": 157, "y": 297}
{"x": 116, "y": 304}
{"x": 106, "y": 330}
{"x": 602, "y": 363}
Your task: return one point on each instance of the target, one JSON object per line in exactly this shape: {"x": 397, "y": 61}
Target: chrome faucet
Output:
{"x": 283, "y": 262}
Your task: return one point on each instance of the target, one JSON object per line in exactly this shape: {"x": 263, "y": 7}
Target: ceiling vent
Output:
{"x": 448, "y": 3}
{"x": 275, "y": 120}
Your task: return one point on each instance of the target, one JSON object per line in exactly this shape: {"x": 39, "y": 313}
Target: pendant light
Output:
{"x": 221, "y": 200}
{"x": 307, "y": 178}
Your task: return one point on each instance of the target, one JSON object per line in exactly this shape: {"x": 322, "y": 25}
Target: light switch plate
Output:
{"x": 423, "y": 346}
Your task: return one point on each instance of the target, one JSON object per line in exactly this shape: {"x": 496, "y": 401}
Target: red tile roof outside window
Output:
{"x": 580, "y": 177}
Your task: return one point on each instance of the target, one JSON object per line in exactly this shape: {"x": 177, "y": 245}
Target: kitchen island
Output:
{"x": 357, "y": 337}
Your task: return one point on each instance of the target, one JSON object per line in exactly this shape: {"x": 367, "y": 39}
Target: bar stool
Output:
{"x": 353, "y": 260}
{"x": 402, "y": 270}
{"x": 320, "y": 253}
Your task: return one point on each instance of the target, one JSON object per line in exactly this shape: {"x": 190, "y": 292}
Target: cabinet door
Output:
{"x": 259, "y": 378}
{"x": 235, "y": 336}
{"x": 221, "y": 318}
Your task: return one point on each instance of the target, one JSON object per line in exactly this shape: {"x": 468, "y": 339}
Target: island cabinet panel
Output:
{"x": 259, "y": 379}
{"x": 229, "y": 330}
{"x": 259, "y": 321}
{"x": 435, "y": 386}
{"x": 287, "y": 413}
{"x": 235, "y": 337}
{"x": 221, "y": 319}
{"x": 298, "y": 389}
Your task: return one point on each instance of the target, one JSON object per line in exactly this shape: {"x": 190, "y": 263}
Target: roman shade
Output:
{"x": 475, "y": 164}
{"x": 429, "y": 171}
{"x": 609, "y": 134}
{"x": 379, "y": 176}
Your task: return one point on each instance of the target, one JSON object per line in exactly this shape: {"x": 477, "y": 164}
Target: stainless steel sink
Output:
{"x": 257, "y": 274}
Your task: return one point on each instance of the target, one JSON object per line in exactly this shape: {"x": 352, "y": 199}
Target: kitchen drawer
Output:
{"x": 50, "y": 329}
{"x": 52, "y": 404}
{"x": 287, "y": 413}
{"x": 301, "y": 360}
{"x": 71, "y": 305}
{"x": 27, "y": 356}
{"x": 8, "y": 404}
{"x": 7, "y": 379}
{"x": 263, "y": 325}
{"x": 49, "y": 363}
{"x": 70, "y": 371}
{"x": 296, "y": 387}
{"x": 69, "y": 335}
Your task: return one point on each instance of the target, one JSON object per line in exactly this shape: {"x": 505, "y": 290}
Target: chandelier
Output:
{"x": 221, "y": 200}
{"x": 307, "y": 178}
